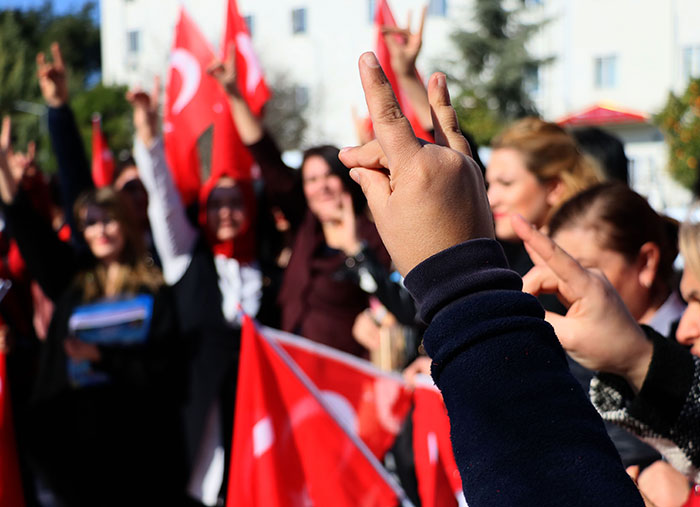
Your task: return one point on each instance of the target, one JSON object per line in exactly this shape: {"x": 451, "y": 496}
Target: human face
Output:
{"x": 322, "y": 188}
{"x": 226, "y": 214}
{"x": 688, "y": 332}
{"x": 129, "y": 185}
{"x": 514, "y": 190}
{"x": 103, "y": 234}
{"x": 583, "y": 244}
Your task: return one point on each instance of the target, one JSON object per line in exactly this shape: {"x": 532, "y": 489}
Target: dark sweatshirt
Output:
{"x": 522, "y": 429}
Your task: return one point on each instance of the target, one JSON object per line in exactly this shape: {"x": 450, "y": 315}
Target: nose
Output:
{"x": 688, "y": 331}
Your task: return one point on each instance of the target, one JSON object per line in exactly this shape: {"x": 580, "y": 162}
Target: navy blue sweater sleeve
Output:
{"x": 73, "y": 169}
{"x": 522, "y": 429}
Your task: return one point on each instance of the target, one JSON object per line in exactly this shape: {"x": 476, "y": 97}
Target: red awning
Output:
{"x": 603, "y": 115}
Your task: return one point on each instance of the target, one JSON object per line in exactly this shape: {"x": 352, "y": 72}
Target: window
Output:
{"x": 606, "y": 72}
{"x": 299, "y": 21}
{"x": 691, "y": 62}
{"x": 249, "y": 23}
{"x": 531, "y": 80}
{"x": 132, "y": 41}
{"x": 437, "y": 8}
{"x": 371, "y": 7}
{"x": 532, "y": 3}
{"x": 301, "y": 96}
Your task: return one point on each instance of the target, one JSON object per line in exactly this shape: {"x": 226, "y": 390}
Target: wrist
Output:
{"x": 635, "y": 372}
{"x": 355, "y": 251}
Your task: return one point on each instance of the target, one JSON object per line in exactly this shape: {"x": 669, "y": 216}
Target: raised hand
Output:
{"x": 424, "y": 198}
{"x": 145, "y": 111}
{"x": 9, "y": 176}
{"x": 340, "y": 231}
{"x": 404, "y": 45}
{"x": 52, "y": 77}
{"x": 597, "y": 330}
{"x": 225, "y": 72}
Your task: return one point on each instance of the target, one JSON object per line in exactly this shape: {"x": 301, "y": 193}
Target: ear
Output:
{"x": 648, "y": 262}
{"x": 556, "y": 190}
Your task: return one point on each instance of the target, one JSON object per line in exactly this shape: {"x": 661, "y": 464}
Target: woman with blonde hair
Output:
{"x": 534, "y": 167}
{"x": 103, "y": 425}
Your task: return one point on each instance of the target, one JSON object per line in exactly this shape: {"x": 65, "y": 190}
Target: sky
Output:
{"x": 60, "y": 6}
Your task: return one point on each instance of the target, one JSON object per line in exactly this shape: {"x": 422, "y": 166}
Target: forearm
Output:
{"x": 249, "y": 126}
{"x": 522, "y": 429}
{"x": 173, "y": 234}
{"x": 417, "y": 95}
{"x": 665, "y": 409}
{"x": 73, "y": 169}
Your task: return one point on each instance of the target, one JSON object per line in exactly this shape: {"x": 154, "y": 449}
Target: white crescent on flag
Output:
{"x": 190, "y": 73}
{"x": 253, "y": 70}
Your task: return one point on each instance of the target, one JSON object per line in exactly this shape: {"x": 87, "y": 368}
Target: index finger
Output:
{"x": 392, "y": 128}
{"x": 421, "y": 24}
{"x": 561, "y": 263}
{"x": 5, "y": 133}
{"x": 155, "y": 92}
{"x": 56, "y": 54}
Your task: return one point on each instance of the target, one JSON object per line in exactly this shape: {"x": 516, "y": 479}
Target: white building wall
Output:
{"x": 647, "y": 38}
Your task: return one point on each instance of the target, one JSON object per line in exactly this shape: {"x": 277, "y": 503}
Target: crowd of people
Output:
{"x": 122, "y": 325}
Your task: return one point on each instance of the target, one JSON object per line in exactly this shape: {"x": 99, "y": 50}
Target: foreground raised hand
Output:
{"x": 597, "y": 330}
{"x": 424, "y": 198}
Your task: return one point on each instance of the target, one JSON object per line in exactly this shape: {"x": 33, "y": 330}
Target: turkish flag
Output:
{"x": 439, "y": 482}
{"x": 229, "y": 156}
{"x": 102, "y": 160}
{"x": 373, "y": 403}
{"x": 191, "y": 98}
{"x": 288, "y": 449}
{"x": 10, "y": 481}
{"x": 384, "y": 17}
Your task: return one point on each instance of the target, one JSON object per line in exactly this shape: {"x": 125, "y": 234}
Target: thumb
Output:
{"x": 375, "y": 185}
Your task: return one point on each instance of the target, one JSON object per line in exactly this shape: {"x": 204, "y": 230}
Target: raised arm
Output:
{"x": 173, "y": 234}
{"x": 73, "y": 168}
{"x": 404, "y": 46}
{"x": 282, "y": 183}
{"x": 522, "y": 430}
{"x": 50, "y": 261}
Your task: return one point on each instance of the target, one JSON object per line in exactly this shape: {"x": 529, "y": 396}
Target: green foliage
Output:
{"x": 285, "y": 113}
{"x": 23, "y": 34}
{"x": 494, "y": 69}
{"x": 680, "y": 122}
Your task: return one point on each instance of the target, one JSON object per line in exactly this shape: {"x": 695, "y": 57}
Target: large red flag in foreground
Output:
{"x": 384, "y": 17}
{"x": 372, "y": 403}
{"x": 288, "y": 450}
{"x": 191, "y": 96}
{"x": 10, "y": 482}
{"x": 439, "y": 482}
{"x": 102, "y": 160}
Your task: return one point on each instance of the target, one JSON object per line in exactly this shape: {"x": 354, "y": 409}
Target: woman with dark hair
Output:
{"x": 321, "y": 293}
{"x": 102, "y": 426}
{"x": 612, "y": 228}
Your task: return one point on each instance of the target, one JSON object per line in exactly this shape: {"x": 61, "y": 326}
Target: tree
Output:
{"x": 285, "y": 112}
{"x": 24, "y": 33}
{"x": 494, "y": 70}
{"x": 680, "y": 122}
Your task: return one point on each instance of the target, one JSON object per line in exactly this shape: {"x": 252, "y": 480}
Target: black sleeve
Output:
{"x": 522, "y": 429}
{"x": 50, "y": 261}
{"x": 73, "y": 169}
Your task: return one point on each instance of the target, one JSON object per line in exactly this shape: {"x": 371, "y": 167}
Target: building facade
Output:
{"x": 618, "y": 54}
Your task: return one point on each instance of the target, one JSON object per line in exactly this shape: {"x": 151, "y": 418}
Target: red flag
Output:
{"x": 288, "y": 450}
{"x": 384, "y": 17}
{"x": 251, "y": 81}
{"x": 229, "y": 155}
{"x": 102, "y": 160}
{"x": 439, "y": 482}
{"x": 373, "y": 403}
{"x": 191, "y": 95}
{"x": 10, "y": 482}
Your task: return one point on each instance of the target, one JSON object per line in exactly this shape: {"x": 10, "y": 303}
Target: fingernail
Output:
{"x": 440, "y": 80}
{"x": 370, "y": 60}
{"x": 355, "y": 175}
{"x": 343, "y": 150}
